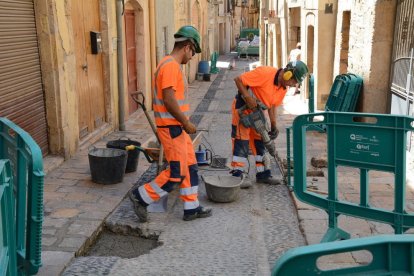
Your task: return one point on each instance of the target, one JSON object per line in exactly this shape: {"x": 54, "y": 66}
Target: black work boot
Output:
{"x": 139, "y": 208}
{"x": 201, "y": 212}
{"x": 266, "y": 177}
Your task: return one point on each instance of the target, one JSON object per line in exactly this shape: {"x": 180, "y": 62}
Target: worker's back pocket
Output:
{"x": 175, "y": 131}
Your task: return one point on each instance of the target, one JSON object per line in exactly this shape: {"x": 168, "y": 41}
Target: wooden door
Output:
{"x": 131, "y": 58}
{"x": 89, "y": 79}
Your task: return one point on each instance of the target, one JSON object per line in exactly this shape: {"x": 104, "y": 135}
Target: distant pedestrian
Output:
{"x": 267, "y": 85}
{"x": 173, "y": 126}
{"x": 295, "y": 55}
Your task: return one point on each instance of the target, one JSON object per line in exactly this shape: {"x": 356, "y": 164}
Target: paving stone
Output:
{"x": 48, "y": 231}
{"x": 313, "y": 238}
{"x": 75, "y": 176}
{"x": 362, "y": 256}
{"x": 59, "y": 181}
{"x": 53, "y": 262}
{"x": 82, "y": 197}
{"x": 339, "y": 258}
{"x": 317, "y": 214}
{"x": 53, "y": 195}
{"x": 73, "y": 189}
{"x": 65, "y": 213}
{"x": 354, "y": 225}
{"x": 54, "y": 222}
{"x": 314, "y": 226}
{"x": 83, "y": 227}
{"x": 92, "y": 215}
{"x": 73, "y": 242}
{"x": 48, "y": 241}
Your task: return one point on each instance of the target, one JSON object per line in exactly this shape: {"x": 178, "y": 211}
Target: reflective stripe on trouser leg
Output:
{"x": 189, "y": 186}
{"x": 240, "y": 140}
{"x": 258, "y": 149}
{"x": 157, "y": 188}
{"x": 165, "y": 181}
{"x": 180, "y": 154}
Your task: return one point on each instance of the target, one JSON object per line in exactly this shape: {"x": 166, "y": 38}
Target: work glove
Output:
{"x": 273, "y": 133}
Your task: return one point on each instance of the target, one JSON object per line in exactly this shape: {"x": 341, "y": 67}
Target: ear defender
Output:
{"x": 287, "y": 75}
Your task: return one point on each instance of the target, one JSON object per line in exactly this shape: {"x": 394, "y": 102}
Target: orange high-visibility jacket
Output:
{"x": 261, "y": 82}
{"x": 169, "y": 75}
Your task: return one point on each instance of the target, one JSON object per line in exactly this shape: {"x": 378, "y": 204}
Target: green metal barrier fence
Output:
{"x": 378, "y": 145}
{"x": 391, "y": 255}
{"x": 7, "y": 228}
{"x": 343, "y": 96}
{"x": 26, "y": 163}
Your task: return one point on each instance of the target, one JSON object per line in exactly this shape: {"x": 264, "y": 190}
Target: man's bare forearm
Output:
{"x": 172, "y": 106}
{"x": 272, "y": 116}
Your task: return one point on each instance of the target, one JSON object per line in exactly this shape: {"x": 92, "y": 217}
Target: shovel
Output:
{"x": 151, "y": 154}
{"x": 139, "y": 98}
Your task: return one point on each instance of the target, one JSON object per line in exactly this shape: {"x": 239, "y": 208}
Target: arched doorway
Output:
{"x": 135, "y": 51}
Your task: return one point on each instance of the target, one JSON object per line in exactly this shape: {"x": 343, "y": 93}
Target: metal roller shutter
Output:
{"x": 21, "y": 91}
{"x": 404, "y": 29}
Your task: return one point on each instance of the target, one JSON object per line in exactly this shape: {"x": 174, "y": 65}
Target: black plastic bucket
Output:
{"x": 107, "y": 165}
{"x": 133, "y": 155}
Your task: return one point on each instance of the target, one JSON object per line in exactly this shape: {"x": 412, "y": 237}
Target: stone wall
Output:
{"x": 370, "y": 50}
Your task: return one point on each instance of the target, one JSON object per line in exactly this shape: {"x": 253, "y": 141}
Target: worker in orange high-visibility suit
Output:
{"x": 173, "y": 126}
{"x": 267, "y": 85}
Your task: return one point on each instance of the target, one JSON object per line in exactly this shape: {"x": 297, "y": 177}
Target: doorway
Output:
{"x": 89, "y": 79}
{"x": 131, "y": 50}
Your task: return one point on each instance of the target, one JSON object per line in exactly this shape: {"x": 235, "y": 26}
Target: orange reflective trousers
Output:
{"x": 182, "y": 170}
{"x": 244, "y": 138}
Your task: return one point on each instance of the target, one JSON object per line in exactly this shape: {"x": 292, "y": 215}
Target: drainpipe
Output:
{"x": 120, "y": 48}
{"x": 152, "y": 39}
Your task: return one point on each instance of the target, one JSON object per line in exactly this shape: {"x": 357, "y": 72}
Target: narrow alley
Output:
{"x": 244, "y": 237}
{"x": 78, "y": 77}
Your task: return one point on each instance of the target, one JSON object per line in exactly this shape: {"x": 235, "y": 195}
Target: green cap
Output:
{"x": 299, "y": 68}
{"x": 191, "y": 33}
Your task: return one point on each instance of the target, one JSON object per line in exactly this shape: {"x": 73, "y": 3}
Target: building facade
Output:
{"x": 362, "y": 37}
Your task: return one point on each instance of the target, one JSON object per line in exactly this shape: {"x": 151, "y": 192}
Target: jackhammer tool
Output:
{"x": 257, "y": 120}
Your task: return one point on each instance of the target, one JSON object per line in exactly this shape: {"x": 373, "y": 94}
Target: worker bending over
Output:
{"x": 267, "y": 85}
